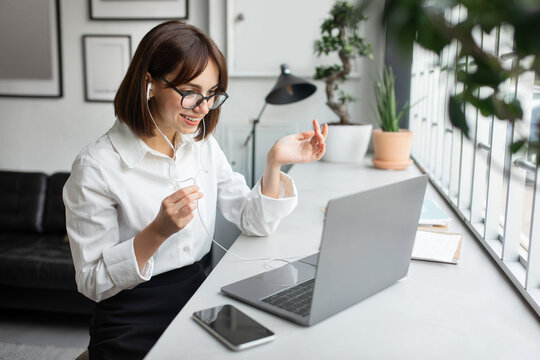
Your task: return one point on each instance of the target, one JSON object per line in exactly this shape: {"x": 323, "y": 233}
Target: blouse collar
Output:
{"x": 132, "y": 148}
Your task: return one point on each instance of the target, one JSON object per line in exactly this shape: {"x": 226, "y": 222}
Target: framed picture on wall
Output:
{"x": 30, "y": 60}
{"x": 106, "y": 60}
{"x": 138, "y": 9}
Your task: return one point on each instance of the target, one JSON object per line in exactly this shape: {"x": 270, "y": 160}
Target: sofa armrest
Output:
{"x": 54, "y": 219}
{"x": 22, "y": 201}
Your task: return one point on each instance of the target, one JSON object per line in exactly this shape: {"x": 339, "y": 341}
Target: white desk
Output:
{"x": 465, "y": 311}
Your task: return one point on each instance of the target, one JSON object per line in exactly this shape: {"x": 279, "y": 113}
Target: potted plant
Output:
{"x": 392, "y": 145}
{"x": 339, "y": 35}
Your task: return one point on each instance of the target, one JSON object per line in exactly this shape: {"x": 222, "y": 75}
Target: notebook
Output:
{"x": 366, "y": 246}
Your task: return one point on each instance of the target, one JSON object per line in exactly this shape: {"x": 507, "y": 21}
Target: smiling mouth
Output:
{"x": 190, "y": 120}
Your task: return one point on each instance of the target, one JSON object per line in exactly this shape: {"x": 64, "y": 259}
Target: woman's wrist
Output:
{"x": 156, "y": 232}
{"x": 271, "y": 162}
{"x": 271, "y": 177}
{"x": 146, "y": 243}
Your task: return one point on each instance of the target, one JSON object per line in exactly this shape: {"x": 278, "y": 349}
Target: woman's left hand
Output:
{"x": 300, "y": 148}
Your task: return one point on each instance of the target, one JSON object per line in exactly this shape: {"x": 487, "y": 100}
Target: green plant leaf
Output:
{"x": 514, "y": 148}
{"x": 343, "y": 97}
{"x": 515, "y": 110}
{"x": 487, "y": 74}
{"x": 457, "y": 117}
{"x": 485, "y": 106}
{"x": 503, "y": 110}
{"x": 431, "y": 37}
{"x": 385, "y": 99}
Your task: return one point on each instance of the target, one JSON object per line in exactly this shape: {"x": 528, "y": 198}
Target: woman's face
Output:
{"x": 166, "y": 105}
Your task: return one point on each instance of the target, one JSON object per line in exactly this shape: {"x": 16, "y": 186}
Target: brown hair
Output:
{"x": 173, "y": 45}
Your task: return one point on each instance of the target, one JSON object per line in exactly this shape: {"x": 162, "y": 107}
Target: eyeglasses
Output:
{"x": 191, "y": 100}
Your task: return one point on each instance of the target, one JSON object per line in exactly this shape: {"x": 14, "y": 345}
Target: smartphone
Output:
{"x": 232, "y": 327}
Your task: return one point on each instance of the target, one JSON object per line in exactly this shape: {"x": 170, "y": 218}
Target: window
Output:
{"x": 494, "y": 191}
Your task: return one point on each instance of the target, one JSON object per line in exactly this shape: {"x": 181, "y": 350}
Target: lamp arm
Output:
{"x": 255, "y": 122}
{"x": 262, "y": 110}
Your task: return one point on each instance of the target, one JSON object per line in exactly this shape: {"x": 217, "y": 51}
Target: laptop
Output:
{"x": 366, "y": 246}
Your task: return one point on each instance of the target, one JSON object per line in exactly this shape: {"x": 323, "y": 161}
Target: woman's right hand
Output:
{"x": 177, "y": 210}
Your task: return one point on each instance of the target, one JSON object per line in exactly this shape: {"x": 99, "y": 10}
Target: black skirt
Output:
{"x": 127, "y": 325}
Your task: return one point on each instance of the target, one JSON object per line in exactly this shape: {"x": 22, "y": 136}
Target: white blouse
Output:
{"x": 116, "y": 188}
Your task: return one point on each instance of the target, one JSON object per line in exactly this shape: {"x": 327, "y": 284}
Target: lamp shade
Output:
{"x": 289, "y": 88}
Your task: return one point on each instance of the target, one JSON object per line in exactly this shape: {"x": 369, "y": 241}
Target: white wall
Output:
{"x": 46, "y": 134}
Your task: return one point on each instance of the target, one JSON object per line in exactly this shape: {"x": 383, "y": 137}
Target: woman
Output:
{"x": 141, "y": 201}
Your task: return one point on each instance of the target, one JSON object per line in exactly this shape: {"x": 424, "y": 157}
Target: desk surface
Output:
{"x": 441, "y": 311}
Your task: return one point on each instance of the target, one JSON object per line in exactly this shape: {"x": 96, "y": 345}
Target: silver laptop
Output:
{"x": 366, "y": 246}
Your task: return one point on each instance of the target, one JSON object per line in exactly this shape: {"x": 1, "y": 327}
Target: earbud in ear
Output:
{"x": 148, "y": 91}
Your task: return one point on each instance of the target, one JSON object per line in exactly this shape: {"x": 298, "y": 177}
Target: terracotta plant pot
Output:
{"x": 347, "y": 143}
{"x": 392, "y": 149}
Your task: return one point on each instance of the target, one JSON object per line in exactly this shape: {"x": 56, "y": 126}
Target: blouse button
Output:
{"x": 186, "y": 248}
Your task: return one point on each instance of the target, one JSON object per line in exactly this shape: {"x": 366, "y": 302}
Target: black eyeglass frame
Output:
{"x": 183, "y": 94}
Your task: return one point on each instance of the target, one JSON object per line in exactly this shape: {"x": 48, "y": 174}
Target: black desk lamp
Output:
{"x": 288, "y": 89}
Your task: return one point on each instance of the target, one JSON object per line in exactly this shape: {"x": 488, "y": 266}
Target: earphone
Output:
{"x": 194, "y": 179}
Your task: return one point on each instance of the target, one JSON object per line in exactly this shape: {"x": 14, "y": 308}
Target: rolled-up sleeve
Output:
{"x": 254, "y": 213}
{"x": 104, "y": 263}
{"x": 275, "y": 209}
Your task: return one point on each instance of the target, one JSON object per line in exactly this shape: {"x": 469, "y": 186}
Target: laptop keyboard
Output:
{"x": 296, "y": 299}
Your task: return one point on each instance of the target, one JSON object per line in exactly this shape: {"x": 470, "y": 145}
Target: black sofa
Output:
{"x": 36, "y": 268}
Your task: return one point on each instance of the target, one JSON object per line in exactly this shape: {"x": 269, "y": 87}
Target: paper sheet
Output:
{"x": 436, "y": 246}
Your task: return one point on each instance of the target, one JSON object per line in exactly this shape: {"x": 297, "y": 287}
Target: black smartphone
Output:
{"x": 232, "y": 327}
